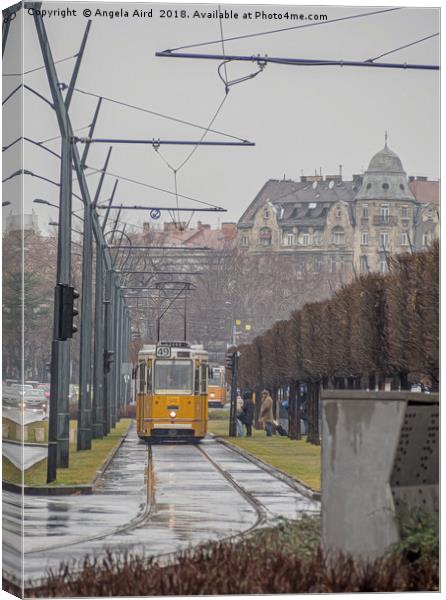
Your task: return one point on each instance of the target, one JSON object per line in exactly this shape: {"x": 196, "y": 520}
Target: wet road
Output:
{"x": 182, "y": 496}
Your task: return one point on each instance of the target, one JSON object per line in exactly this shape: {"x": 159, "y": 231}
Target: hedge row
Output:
{"x": 376, "y": 327}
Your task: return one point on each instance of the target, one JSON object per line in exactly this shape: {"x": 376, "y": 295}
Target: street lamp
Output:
{"x": 47, "y": 203}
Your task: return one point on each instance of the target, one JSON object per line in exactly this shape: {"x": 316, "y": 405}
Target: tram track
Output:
{"x": 126, "y": 528}
{"x": 182, "y": 510}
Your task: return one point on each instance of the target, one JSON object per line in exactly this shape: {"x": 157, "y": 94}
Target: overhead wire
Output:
{"x": 208, "y": 129}
{"x": 38, "y": 68}
{"x": 147, "y": 185}
{"x": 403, "y": 47}
{"x": 157, "y": 114}
{"x": 281, "y": 30}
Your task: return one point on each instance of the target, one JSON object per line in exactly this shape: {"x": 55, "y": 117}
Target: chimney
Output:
{"x": 229, "y": 230}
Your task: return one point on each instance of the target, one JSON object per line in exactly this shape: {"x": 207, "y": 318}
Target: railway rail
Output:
{"x": 191, "y": 495}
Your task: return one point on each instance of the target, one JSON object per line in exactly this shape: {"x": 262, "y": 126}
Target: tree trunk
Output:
{"x": 404, "y": 380}
{"x": 313, "y": 413}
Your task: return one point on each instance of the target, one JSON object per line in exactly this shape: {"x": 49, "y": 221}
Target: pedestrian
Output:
{"x": 266, "y": 417}
{"x": 247, "y": 414}
{"x": 238, "y": 414}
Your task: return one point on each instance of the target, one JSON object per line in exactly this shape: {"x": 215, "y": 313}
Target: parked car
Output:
{"x": 34, "y": 397}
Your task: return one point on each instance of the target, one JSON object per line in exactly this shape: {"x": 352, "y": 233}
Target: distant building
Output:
{"x": 181, "y": 235}
{"x": 336, "y": 226}
{"x": 18, "y": 222}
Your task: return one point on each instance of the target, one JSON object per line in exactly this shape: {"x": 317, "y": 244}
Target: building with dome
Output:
{"x": 329, "y": 225}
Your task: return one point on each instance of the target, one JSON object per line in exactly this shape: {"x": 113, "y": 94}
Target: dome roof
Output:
{"x": 385, "y": 179}
{"x": 386, "y": 161}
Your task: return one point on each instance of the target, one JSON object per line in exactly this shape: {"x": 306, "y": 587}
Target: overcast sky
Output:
{"x": 301, "y": 118}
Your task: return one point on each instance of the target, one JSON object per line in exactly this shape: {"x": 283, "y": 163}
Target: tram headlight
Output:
{"x": 173, "y": 414}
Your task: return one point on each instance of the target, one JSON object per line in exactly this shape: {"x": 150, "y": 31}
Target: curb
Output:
{"x": 66, "y": 490}
{"x": 100, "y": 472}
{"x": 296, "y": 484}
{"x": 60, "y": 490}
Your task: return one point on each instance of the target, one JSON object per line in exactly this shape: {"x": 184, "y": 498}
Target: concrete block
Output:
{"x": 379, "y": 458}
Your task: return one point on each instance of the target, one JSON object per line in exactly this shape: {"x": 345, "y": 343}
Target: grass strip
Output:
{"x": 83, "y": 464}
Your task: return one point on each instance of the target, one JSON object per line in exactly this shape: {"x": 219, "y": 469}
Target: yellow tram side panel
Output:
{"x": 193, "y": 410}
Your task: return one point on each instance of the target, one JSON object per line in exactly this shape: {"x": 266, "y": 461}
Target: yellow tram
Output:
{"x": 171, "y": 392}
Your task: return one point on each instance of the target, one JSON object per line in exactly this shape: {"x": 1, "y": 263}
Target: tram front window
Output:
{"x": 173, "y": 377}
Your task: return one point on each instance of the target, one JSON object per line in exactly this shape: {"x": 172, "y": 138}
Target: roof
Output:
{"x": 386, "y": 161}
{"x": 305, "y": 201}
{"x": 426, "y": 192}
{"x": 385, "y": 179}
{"x": 273, "y": 190}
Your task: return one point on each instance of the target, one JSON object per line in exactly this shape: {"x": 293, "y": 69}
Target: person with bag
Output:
{"x": 266, "y": 417}
{"x": 247, "y": 413}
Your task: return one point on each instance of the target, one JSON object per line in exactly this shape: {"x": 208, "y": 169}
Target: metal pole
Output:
{"x": 98, "y": 349}
{"x": 315, "y": 62}
{"x": 113, "y": 326}
{"x": 58, "y": 420}
{"x": 107, "y": 345}
{"x": 233, "y": 410}
{"x": 84, "y": 412}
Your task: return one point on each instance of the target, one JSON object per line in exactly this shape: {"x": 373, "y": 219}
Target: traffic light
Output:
{"x": 109, "y": 358}
{"x": 67, "y": 311}
{"x": 230, "y": 360}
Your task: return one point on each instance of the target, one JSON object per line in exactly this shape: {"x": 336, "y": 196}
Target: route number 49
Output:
{"x": 163, "y": 352}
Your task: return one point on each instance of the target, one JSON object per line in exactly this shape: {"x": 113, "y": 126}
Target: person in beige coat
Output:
{"x": 266, "y": 417}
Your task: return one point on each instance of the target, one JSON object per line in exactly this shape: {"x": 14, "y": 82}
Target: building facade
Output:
{"x": 327, "y": 224}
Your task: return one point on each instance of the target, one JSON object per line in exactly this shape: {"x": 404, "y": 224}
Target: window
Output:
{"x": 142, "y": 377}
{"x": 305, "y": 239}
{"x": 383, "y": 240}
{"x": 173, "y": 376}
{"x": 365, "y": 211}
{"x": 245, "y": 240}
{"x": 429, "y": 214}
{"x": 289, "y": 239}
{"x": 338, "y": 235}
{"x": 364, "y": 238}
{"x": 333, "y": 264}
{"x": 384, "y": 213}
{"x": 363, "y": 264}
{"x": 404, "y": 238}
{"x": 338, "y": 212}
{"x": 204, "y": 374}
{"x": 425, "y": 240}
{"x": 385, "y": 186}
{"x": 317, "y": 265}
{"x": 266, "y": 213}
{"x": 368, "y": 186}
{"x": 265, "y": 236}
{"x": 383, "y": 266}
{"x": 404, "y": 212}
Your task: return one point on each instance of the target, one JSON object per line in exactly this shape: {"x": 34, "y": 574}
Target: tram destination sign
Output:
{"x": 163, "y": 352}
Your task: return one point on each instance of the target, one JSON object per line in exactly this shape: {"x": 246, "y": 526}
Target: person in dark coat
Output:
{"x": 247, "y": 413}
